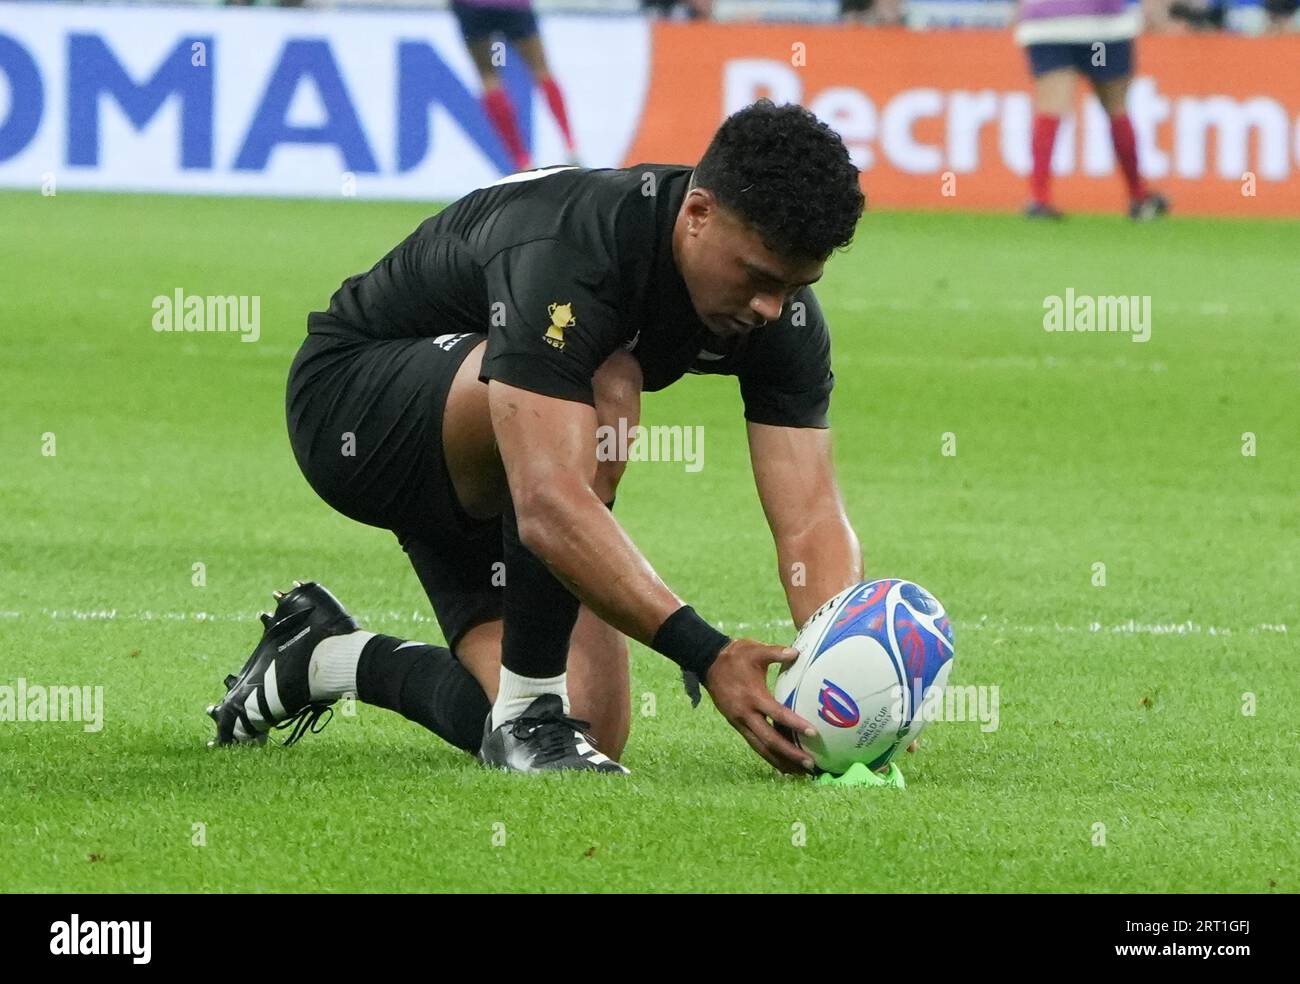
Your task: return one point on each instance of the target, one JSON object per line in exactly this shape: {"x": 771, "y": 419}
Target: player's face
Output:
{"x": 736, "y": 283}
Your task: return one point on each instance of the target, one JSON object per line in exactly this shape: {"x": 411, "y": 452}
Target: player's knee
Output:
{"x": 617, "y": 389}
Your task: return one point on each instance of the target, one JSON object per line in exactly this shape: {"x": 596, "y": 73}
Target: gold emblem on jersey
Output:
{"x": 561, "y": 318}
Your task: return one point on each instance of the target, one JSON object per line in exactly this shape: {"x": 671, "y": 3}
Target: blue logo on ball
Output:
{"x": 837, "y": 708}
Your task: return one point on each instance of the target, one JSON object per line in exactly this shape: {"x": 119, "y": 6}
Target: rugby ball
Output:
{"x": 872, "y": 665}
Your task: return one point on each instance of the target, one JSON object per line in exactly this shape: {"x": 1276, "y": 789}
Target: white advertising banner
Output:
{"x": 293, "y": 102}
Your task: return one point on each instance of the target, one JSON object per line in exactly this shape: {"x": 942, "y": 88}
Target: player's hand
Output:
{"x": 737, "y": 682}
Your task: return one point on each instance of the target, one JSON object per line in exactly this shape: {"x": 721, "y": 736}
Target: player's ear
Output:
{"x": 699, "y": 207}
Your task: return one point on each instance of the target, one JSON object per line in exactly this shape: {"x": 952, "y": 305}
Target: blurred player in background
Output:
{"x": 1281, "y": 15}
{"x": 1066, "y": 39}
{"x": 879, "y": 13}
{"x": 676, "y": 9}
{"x": 481, "y": 23}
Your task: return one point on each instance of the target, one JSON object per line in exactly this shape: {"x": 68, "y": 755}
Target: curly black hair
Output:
{"x": 788, "y": 175}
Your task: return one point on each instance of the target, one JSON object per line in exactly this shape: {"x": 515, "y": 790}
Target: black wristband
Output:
{"x": 689, "y": 641}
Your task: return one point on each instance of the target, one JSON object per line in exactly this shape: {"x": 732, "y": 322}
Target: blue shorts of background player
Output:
{"x": 1116, "y": 59}
{"x": 477, "y": 23}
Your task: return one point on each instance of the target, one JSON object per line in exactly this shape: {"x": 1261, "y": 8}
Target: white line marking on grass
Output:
{"x": 1216, "y": 309}
{"x": 1129, "y": 627}
{"x": 984, "y": 623}
{"x": 115, "y": 615}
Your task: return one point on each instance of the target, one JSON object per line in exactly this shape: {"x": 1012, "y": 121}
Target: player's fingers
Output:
{"x": 784, "y": 716}
{"x": 912, "y": 747}
{"x": 767, "y": 655}
{"x": 785, "y": 656}
{"x": 778, "y": 746}
{"x": 761, "y": 749}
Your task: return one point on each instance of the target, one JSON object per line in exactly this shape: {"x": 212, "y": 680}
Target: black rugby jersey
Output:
{"x": 560, "y": 267}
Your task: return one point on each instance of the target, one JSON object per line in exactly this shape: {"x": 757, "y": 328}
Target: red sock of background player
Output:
{"x": 497, "y": 106}
{"x": 1125, "y": 143}
{"x": 555, "y": 99}
{"x": 1044, "y": 139}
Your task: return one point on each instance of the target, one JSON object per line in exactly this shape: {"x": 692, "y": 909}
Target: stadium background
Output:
{"x": 149, "y": 501}
{"x": 380, "y": 103}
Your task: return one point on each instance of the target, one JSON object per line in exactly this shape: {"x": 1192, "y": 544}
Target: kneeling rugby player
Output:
{"x": 470, "y": 370}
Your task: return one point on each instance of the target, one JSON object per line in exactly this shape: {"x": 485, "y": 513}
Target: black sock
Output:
{"x": 424, "y": 684}
{"x": 538, "y": 611}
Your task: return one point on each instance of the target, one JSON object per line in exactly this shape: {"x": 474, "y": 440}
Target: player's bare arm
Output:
{"x": 817, "y": 551}
{"x": 548, "y": 448}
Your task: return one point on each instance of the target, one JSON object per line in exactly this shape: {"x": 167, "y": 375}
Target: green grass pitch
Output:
{"x": 1125, "y": 705}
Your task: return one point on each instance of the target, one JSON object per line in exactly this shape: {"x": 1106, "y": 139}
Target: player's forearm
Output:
{"x": 817, "y": 563}
{"x": 576, "y": 536}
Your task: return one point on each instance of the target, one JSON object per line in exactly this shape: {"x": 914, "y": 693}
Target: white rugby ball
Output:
{"x": 872, "y": 665}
